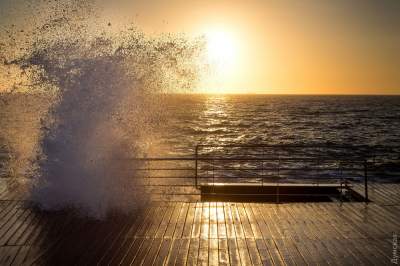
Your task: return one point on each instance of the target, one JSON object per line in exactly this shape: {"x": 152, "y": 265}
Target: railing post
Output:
{"x": 366, "y": 181}
{"x": 262, "y": 173}
{"x": 262, "y": 168}
{"x": 195, "y": 167}
{"x": 213, "y": 173}
{"x": 340, "y": 175}
{"x": 277, "y": 184}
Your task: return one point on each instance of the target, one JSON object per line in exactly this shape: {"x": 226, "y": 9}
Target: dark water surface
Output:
{"x": 242, "y": 119}
{"x": 227, "y": 119}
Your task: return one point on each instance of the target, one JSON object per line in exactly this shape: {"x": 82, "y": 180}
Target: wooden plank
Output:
{"x": 230, "y": 229}
{"x": 297, "y": 226}
{"x": 115, "y": 243}
{"x": 252, "y": 220}
{"x": 338, "y": 256}
{"x": 26, "y": 229}
{"x": 181, "y": 259}
{"x": 248, "y": 232}
{"x": 343, "y": 251}
{"x": 213, "y": 256}
{"x": 73, "y": 246}
{"x": 253, "y": 251}
{"x": 47, "y": 239}
{"x": 173, "y": 252}
{"x": 142, "y": 252}
{"x": 388, "y": 214}
{"x": 102, "y": 236}
{"x": 181, "y": 221}
{"x": 234, "y": 256}
{"x": 173, "y": 221}
{"x": 10, "y": 214}
{"x": 8, "y": 254}
{"x": 205, "y": 221}
{"x": 320, "y": 251}
{"x": 163, "y": 251}
{"x": 362, "y": 254}
{"x": 155, "y": 222}
{"x": 153, "y": 251}
{"x": 243, "y": 251}
{"x": 273, "y": 250}
{"x": 7, "y": 231}
{"x": 165, "y": 221}
{"x": 7, "y": 206}
{"x": 20, "y": 258}
{"x": 120, "y": 254}
{"x": 263, "y": 227}
{"x": 43, "y": 223}
{"x": 285, "y": 254}
{"x": 196, "y": 228}
{"x": 239, "y": 233}
{"x": 263, "y": 251}
{"x": 193, "y": 254}
{"x": 304, "y": 251}
{"x": 187, "y": 230}
{"x": 128, "y": 239}
{"x": 146, "y": 223}
{"x": 203, "y": 252}
{"x": 266, "y": 215}
{"x": 222, "y": 233}
{"x": 295, "y": 254}
{"x": 371, "y": 255}
{"x": 223, "y": 252}
{"x": 213, "y": 221}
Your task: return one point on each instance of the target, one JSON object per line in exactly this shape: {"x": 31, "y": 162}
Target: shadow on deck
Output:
{"x": 274, "y": 192}
{"x": 65, "y": 238}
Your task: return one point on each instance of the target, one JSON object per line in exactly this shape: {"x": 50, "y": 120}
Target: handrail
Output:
{"x": 205, "y": 158}
{"x": 344, "y": 161}
{"x": 260, "y": 162}
{"x": 326, "y": 145}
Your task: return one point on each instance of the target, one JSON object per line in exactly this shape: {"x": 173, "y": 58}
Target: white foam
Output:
{"x": 109, "y": 87}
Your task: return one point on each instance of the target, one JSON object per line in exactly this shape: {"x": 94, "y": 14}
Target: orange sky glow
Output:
{"x": 284, "y": 47}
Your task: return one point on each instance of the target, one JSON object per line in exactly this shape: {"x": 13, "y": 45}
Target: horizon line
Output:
{"x": 293, "y": 94}
{"x": 238, "y": 93}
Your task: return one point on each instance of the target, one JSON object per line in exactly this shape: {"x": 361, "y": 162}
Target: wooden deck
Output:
{"x": 190, "y": 233}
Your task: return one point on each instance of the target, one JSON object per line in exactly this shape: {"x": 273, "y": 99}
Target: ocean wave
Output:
{"x": 107, "y": 106}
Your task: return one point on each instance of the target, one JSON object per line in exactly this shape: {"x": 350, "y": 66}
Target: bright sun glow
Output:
{"x": 223, "y": 57}
{"x": 222, "y": 51}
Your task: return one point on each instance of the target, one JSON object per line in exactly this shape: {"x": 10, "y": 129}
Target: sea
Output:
{"x": 86, "y": 161}
{"x": 281, "y": 119}
{"x": 189, "y": 120}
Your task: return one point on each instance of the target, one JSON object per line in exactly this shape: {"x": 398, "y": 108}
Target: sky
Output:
{"x": 280, "y": 46}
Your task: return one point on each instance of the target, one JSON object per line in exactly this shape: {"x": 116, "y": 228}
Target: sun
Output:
{"x": 224, "y": 58}
{"x": 222, "y": 51}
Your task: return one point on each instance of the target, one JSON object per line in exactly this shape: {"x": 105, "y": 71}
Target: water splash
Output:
{"x": 108, "y": 89}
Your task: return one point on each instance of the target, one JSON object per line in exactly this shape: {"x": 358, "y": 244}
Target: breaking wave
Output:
{"x": 107, "y": 89}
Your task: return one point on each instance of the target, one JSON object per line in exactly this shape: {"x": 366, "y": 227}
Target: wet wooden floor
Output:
{"x": 194, "y": 233}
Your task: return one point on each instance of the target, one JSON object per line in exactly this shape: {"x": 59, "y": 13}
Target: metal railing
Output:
{"x": 263, "y": 165}
{"x": 290, "y": 163}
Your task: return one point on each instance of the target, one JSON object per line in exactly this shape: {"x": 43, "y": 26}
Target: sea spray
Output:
{"x": 108, "y": 89}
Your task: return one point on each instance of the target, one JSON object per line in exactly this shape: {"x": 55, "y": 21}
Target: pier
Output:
{"x": 201, "y": 233}
{"x": 184, "y": 225}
